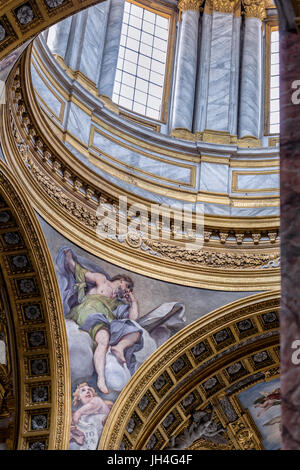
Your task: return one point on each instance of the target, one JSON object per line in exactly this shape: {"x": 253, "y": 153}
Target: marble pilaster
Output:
{"x": 223, "y": 73}
{"x": 185, "y": 81}
{"x": 75, "y": 39}
{"x": 251, "y": 80}
{"x": 111, "y": 47}
{"x": 93, "y": 41}
{"x": 203, "y": 74}
{"x": 57, "y": 37}
{"x": 290, "y": 238}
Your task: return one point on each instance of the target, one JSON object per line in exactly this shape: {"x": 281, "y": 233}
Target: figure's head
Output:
{"x": 124, "y": 285}
{"x": 83, "y": 394}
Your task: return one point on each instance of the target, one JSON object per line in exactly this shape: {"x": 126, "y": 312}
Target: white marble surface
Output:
{"x": 93, "y": 41}
{"x": 220, "y": 75}
{"x": 256, "y": 182}
{"x": 111, "y": 47}
{"x": 183, "y": 107}
{"x": 202, "y": 85}
{"x": 214, "y": 177}
{"x": 79, "y": 123}
{"x": 46, "y": 92}
{"x": 251, "y": 80}
{"x": 57, "y": 37}
{"x": 138, "y": 161}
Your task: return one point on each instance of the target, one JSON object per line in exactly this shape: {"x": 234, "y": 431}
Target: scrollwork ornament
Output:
{"x": 224, "y": 6}
{"x": 255, "y": 9}
{"x": 189, "y": 5}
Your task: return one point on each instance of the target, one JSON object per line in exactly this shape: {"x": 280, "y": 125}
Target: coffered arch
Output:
{"x": 40, "y": 351}
{"x": 201, "y": 370}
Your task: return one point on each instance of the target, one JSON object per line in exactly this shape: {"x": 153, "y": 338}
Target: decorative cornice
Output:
{"x": 190, "y": 5}
{"x": 255, "y": 9}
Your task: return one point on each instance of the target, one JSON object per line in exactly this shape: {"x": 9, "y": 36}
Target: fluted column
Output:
{"x": 111, "y": 47}
{"x": 184, "y": 96}
{"x": 250, "y": 114}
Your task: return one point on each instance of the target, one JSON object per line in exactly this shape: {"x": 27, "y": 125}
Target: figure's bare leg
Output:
{"x": 125, "y": 342}
{"x": 102, "y": 340}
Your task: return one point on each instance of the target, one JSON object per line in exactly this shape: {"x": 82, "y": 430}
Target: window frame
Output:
{"x": 271, "y": 25}
{"x": 171, "y": 14}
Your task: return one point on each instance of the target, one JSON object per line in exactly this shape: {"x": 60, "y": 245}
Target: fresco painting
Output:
{"x": 108, "y": 338}
{"x": 263, "y": 403}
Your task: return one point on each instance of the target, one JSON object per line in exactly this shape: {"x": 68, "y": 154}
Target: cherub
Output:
{"x": 91, "y": 404}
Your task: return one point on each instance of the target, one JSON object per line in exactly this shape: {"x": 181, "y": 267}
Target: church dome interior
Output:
{"x": 141, "y": 150}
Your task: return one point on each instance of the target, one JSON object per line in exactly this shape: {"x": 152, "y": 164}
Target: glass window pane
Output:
{"x": 146, "y": 49}
{"x": 129, "y": 67}
{"x": 136, "y": 11}
{"x": 141, "y": 66}
{"x": 274, "y": 47}
{"x": 274, "y": 118}
{"x": 159, "y": 55}
{"x": 128, "y": 79}
{"x": 275, "y": 58}
{"x": 158, "y": 67}
{"x": 153, "y": 102}
{"x": 134, "y": 33}
{"x": 148, "y": 27}
{"x": 147, "y": 38}
{"x": 132, "y": 44}
{"x": 136, "y": 22}
{"x": 144, "y": 61}
{"x": 140, "y": 97}
{"x": 125, "y": 102}
{"x": 151, "y": 113}
{"x": 156, "y": 78}
{"x": 274, "y": 105}
{"x": 126, "y": 91}
{"x": 162, "y": 22}
{"x": 274, "y": 129}
{"x": 274, "y": 93}
{"x": 141, "y": 85}
{"x": 160, "y": 44}
{"x": 131, "y": 56}
{"x": 275, "y": 69}
{"x": 139, "y": 108}
{"x": 143, "y": 72}
{"x": 155, "y": 90}
{"x": 274, "y": 82}
{"x": 275, "y": 36}
{"x": 149, "y": 16}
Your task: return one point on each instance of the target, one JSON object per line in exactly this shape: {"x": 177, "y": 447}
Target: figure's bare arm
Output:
{"x": 70, "y": 261}
{"x": 95, "y": 405}
{"x": 95, "y": 278}
{"x": 134, "y": 309}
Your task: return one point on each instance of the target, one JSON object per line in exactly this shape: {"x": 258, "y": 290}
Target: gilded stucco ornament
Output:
{"x": 255, "y": 9}
{"x": 224, "y": 6}
{"x": 190, "y": 5}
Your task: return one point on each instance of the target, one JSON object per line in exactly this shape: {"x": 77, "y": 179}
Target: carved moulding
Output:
{"x": 200, "y": 371}
{"x": 67, "y": 197}
{"x": 38, "y": 322}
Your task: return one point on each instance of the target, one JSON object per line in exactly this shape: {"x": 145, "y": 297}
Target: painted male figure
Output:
{"x": 107, "y": 311}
